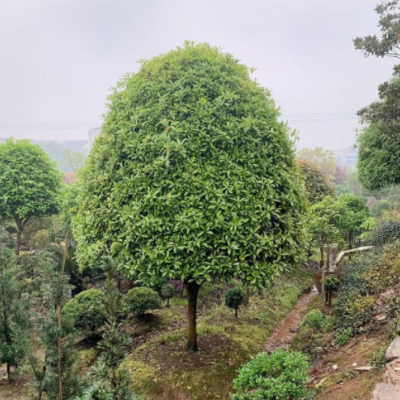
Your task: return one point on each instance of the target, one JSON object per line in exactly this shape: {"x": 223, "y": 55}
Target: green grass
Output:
{"x": 161, "y": 367}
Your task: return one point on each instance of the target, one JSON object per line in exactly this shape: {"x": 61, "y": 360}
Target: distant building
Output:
{"x": 92, "y": 134}
{"x": 346, "y": 157}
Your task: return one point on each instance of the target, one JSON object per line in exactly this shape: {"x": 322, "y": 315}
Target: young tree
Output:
{"x": 193, "y": 177}
{"x": 29, "y": 183}
{"x": 167, "y": 291}
{"x": 234, "y": 298}
{"x": 14, "y": 319}
{"x": 316, "y": 184}
{"x": 323, "y": 159}
{"x": 353, "y": 214}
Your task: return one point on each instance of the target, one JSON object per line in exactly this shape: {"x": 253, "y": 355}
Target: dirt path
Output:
{"x": 284, "y": 334}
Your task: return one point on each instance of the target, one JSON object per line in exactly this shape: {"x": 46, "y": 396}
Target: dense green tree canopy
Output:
{"x": 379, "y": 143}
{"x": 29, "y": 182}
{"x": 193, "y": 176}
{"x": 316, "y": 184}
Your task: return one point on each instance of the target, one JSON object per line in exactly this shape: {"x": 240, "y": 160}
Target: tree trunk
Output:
{"x": 236, "y": 313}
{"x": 323, "y": 287}
{"x": 350, "y": 242}
{"x": 192, "y": 289}
{"x": 321, "y": 261}
{"x": 247, "y": 295}
{"x": 167, "y": 301}
{"x": 328, "y": 256}
{"x": 9, "y": 372}
{"x": 20, "y": 228}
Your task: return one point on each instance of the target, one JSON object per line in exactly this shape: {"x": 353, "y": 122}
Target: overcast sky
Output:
{"x": 59, "y": 58}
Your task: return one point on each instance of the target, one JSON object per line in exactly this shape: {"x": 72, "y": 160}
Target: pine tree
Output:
{"x": 56, "y": 376}
{"x": 109, "y": 380}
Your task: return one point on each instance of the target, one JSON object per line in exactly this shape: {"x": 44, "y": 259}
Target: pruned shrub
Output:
{"x": 332, "y": 283}
{"x": 87, "y": 310}
{"x": 140, "y": 300}
{"x": 388, "y": 232}
{"x": 167, "y": 291}
{"x": 317, "y": 320}
{"x": 234, "y": 298}
{"x": 279, "y": 376}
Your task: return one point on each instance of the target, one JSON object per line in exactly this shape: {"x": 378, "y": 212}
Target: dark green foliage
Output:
{"x": 234, "y": 298}
{"x": 279, "y": 376}
{"x": 141, "y": 300}
{"x": 387, "y": 233}
{"x": 87, "y": 310}
{"x": 107, "y": 380}
{"x": 393, "y": 307}
{"x": 56, "y": 291}
{"x": 167, "y": 291}
{"x": 380, "y": 207}
{"x": 29, "y": 183}
{"x": 192, "y": 153}
{"x": 389, "y": 23}
{"x": 332, "y": 283}
{"x": 379, "y": 149}
{"x": 14, "y": 318}
{"x": 316, "y": 184}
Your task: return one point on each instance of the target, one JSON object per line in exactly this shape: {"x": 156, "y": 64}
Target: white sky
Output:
{"x": 60, "y": 57}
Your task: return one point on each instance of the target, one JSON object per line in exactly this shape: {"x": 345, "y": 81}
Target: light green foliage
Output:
{"x": 379, "y": 208}
{"x": 279, "y": 376}
{"x": 14, "y": 317}
{"x": 29, "y": 183}
{"x": 353, "y": 214}
{"x": 193, "y": 176}
{"x": 343, "y": 336}
{"x": 332, "y": 283}
{"x": 316, "y": 184}
{"x": 87, "y": 310}
{"x": 325, "y": 222}
{"x": 315, "y": 319}
{"x": 388, "y": 44}
{"x": 74, "y": 160}
{"x": 234, "y": 298}
{"x": 141, "y": 300}
{"x": 324, "y": 159}
{"x": 379, "y": 360}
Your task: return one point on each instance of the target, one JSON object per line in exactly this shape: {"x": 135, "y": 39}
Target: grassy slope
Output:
{"x": 160, "y": 365}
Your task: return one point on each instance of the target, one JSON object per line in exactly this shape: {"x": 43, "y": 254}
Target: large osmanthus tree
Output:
{"x": 193, "y": 177}
{"x": 379, "y": 142}
{"x": 29, "y": 183}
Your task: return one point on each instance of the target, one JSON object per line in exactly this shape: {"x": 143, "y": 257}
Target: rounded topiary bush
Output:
{"x": 279, "y": 376}
{"x": 234, "y": 298}
{"x": 140, "y": 300}
{"x": 87, "y": 309}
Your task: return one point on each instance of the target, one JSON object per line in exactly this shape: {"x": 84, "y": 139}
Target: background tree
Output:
{"x": 353, "y": 214}
{"x": 380, "y": 208}
{"x": 316, "y": 184}
{"x": 29, "y": 183}
{"x": 379, "y": 144}
{"x": 340, "y": 174}
{"x": 193, "y": 177}
{"x": 167, "y": 291}
{"x": 14, "y": 318}
{"x": 234, "y": 298}
{"x": 74, "y": 160}
{"x": 389, "y": 23}
{"x": 324, "y": 159}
